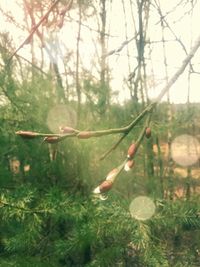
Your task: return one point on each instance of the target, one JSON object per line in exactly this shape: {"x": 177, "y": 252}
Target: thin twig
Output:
{"x": 147, "y": 110}
{"x": 168, "y": 26}
{"x": 119, "y": 49}
{"x": 113, "y": 147}
{"x": 160, "y": 96}
{"x": 34, "y": 29}
{"x": 173, "y": 79}
{"x": 25, "y": 59}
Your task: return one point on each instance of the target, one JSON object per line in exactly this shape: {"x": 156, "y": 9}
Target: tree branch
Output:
{"x": 125, "y": 130}
{"x": 34, "y": 29}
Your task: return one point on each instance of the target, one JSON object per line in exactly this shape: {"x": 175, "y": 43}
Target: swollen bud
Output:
{"x": 52, "y": 139}
{"x": 103, "y": 187}
{"x": 66, "y": 129}
{"x": 27, "y": 134}
{"x": 148, "y": 132}
{"x": 132, "y": 150}
{"x": 84, "y": 135}
{"x": 129, "y": 165}
{"x": 112, "y": 175}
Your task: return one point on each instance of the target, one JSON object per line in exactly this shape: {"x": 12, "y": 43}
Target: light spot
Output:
{"x": 185, "y": 150}
{"x": 27, "y": 168}
{"x": 142, "y": 208}
{"x": 103, "y": 197}
{"x": 100, "y": 196}
{"x": 61, "y": 115}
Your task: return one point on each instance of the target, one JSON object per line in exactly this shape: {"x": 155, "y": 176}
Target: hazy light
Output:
{"x": 142, "y": 208}
{"x": 61, "y": 115}
{"x": 185, "y": 150}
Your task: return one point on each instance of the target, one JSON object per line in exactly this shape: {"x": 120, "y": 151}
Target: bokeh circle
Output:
{"x": 185, "y": 150}
{"x": 142, "y": 208}
{"x": 61, "y": 115}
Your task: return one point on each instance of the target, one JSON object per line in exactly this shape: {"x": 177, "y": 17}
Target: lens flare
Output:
{"x": 185, "y": 150}
{"x": 142, "y": 208}
{"x": 61, "y": 115}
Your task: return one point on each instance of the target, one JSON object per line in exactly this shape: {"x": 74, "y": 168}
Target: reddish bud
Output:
{"x": 112, "y": 174}
{"x": 108, "y": 183}
{"x": 129, "y": 165}
{"x": 27, "y": 134}
{"x": 52, "y": 139}
{"x": 148, "y": 132}
{"x": 103, "y": 187}
{"x": 84, "y": 135}
{"x": 66, "y": 129}
{"x": 132, "y": 150}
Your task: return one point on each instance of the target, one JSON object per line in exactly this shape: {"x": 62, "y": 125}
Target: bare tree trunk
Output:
{"x": 29, "y": 9}
{"x": 139, "y": 82}
{"x": 170, "y": 166}
{"x": 130, "y": 85}
{"x": 140, "y": 50}
{"x": 103, "y": 90}
{"x": 188, "y": 184}
{"x": 161, "y": 169}
{"x": 78, "y": 88}
{"x": 188, "y": 178}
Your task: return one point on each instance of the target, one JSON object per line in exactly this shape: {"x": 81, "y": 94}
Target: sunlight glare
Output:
{"x": 61, "y": 115}
{"x": 185, "y": 150}
{"x": 142, "y": 208}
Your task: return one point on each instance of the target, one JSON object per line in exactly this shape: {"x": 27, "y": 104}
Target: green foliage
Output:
{"x": 48, "y": 214}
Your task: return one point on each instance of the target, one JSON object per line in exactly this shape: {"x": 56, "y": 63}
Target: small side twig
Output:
{"x": 119, "y": 49}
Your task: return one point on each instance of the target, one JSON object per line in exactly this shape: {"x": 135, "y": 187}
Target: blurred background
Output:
{"x": 95, "y": 65}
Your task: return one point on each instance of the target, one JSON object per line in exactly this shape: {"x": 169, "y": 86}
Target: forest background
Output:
{"x": 93, "y": 66}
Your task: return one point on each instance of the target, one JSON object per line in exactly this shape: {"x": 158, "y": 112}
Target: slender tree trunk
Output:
{"x": 161, "y": 169}
{"x": 78, "y": 88}
{"x": 188, "y": 183}
{"x": 150, "y": 158}
{"x": 140, "y": 50}
{"x": 169, "y": 117}
{"x": 29, "y": 10}
{"x": 130, "y": 85}
{"x": 103, "y": 90}
{"x": 60, "y": 88}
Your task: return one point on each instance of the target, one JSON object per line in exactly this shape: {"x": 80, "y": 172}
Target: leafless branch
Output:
{"x": 34, "y": 29}
{"x": 180, "y": 70}
{"x": 169, "y": 27}
{"x": 119, "y": 49}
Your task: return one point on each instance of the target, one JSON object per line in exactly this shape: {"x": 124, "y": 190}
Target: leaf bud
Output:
{"x": 52, "y": 139}
{"x": 112, "y": 175}
{"x": 66, "y": 129}
{"x": 132, "y": 150}
{"x": 27, "y": 134}
{"x": 148, "y": 132}
{"x": 103, "y": 187}
{"x": 84, "y": 135}
{"x": 129, "y": 165}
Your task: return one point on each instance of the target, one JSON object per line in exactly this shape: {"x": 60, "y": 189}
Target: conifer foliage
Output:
{"x": 65, "y": 194}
